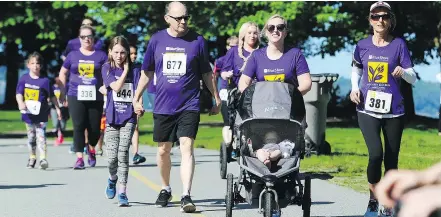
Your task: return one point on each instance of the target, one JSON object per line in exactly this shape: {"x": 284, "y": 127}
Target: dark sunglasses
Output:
{"x": 376, "y": 17}
{"x": 280, "y": 27}
{"x": 178, "y": 19}
{"x": 86, "y": 36}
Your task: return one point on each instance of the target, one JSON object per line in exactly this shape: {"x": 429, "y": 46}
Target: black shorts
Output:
{"x": 168, "y": 128}
{"x": 224, "y": 112}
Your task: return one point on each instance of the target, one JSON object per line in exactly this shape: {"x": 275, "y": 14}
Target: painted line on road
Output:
{"x": 157, "y": 188}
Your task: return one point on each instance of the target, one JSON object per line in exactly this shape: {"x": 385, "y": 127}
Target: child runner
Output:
{"x": 120, "y": 78}
{"x": 32, "y": 93}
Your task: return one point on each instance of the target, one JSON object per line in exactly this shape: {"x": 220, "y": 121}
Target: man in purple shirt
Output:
{"x": 178, "y": 57}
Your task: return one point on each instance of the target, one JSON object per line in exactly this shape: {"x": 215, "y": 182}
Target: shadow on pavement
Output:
{"x": 316, "y": 175}
{"x": 27, "y": 186}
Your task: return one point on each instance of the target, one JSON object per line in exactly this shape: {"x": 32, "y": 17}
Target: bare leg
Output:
{"x": 164, "y": 162}
{"x": 187, "y": 163}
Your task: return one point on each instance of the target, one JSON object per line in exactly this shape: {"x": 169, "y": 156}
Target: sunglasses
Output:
{"x": 86, "y": 36}
{"x": 280, "y": 27}
{"x": 178, "y": 19}
{"x": 376, "y": 17}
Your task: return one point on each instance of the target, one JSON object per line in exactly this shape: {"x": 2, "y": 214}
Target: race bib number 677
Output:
{"x": 174, "y": 64}
{"x": 379, "y": 102}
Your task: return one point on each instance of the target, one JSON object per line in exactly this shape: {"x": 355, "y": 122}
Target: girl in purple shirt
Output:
{"x": 32, "y": 94}
{"x": 120, "y": 79}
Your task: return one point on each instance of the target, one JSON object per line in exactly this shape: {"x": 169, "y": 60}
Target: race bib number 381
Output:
{"x": 379, "y": 102}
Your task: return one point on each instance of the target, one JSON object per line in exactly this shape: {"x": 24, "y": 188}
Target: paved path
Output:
{"x": 62, "y": 192}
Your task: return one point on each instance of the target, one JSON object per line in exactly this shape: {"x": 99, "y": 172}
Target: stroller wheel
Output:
{"x": 229, "y": 198}
{"x": 306, "y": 202}
{"x": 223, "y": 160}
{"x": 268, "y": 208}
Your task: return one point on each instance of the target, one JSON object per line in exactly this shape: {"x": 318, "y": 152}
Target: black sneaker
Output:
{"x": 163, "y": 198}
{"x": 187, "y": 204}
{"x": 31, "y": 163}
{"x": 137, "y": 159}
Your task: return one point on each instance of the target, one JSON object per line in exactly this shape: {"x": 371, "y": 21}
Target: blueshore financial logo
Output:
{"x": 175, "y": 49}
{"x": 273, "y": 70}
{"x": 372, "y": 57}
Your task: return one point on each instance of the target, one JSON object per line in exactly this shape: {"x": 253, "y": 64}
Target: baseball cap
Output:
{"x": 380, "y": 4}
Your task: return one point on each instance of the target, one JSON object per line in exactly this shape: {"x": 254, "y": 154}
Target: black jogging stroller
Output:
{"x": 264, "y": 107}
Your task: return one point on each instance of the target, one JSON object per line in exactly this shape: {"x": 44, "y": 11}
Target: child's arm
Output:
{"x": 20, "y": 102}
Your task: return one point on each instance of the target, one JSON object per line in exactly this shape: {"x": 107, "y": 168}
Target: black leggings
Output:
{"x": 85, "y": 115}
{"x": 392, "y": 131}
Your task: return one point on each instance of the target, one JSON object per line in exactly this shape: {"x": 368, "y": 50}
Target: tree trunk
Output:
{"x": 12, "y": 63}
{"x": 409, "y": 106}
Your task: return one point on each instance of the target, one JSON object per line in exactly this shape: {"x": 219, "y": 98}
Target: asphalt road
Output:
{"x": 62, "y": 192}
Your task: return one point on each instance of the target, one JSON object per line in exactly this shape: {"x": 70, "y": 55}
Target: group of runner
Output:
{"x": 176, "y": 59}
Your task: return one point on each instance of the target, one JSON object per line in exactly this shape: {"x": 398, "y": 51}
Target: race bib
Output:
{"x": 86, "y": 93}
{"x": 57, "y": 93}
{"x": 379, "y": 102}
{"x": 86, "y": 70}
{"x": 174, "y": 64}
{"x": 33, "y": 107}
{"x": 125, "y": 94}
{"x": 276, "y": 77}
{"x": 31, "y": 94}
{"x": 223, "y": 94}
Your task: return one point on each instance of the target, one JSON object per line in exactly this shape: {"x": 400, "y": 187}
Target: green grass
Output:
{"x": 346, "y": 166}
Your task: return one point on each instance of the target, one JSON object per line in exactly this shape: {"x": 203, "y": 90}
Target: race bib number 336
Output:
{"x": 86, "y": 93}
{"x": 379, "y": 102}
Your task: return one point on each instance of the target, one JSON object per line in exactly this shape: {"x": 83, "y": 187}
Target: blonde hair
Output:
{"x": 265, "y": 27}
{"x": 231, "y": 39}
{"x": 242, "y": 33}
{"x": 121, "y": 40}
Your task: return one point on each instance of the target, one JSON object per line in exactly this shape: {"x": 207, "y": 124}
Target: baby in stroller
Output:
{"x": 272, "y": 150}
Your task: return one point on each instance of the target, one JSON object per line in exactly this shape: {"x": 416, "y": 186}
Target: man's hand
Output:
{"x": 216, "y": 108}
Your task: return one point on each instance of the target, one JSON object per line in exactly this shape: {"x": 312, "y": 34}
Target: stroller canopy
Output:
{"x": 271, "y": 100}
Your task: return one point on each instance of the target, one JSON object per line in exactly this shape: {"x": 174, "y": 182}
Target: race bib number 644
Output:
{"x": 379, "y": 102}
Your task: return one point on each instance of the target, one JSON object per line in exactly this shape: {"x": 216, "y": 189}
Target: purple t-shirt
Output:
{"x": 234, "y": 62}
{"x": 119, "y": 108}
{"x": 218, "y": 64}
{"x": 178, "y": 63}
{"x": 75, "y": 44}
{"x": 380, "y": 91}
{"x": 285, "y": 69}
{"x": 35, "y": 94}
{"x": 85, "y": 73}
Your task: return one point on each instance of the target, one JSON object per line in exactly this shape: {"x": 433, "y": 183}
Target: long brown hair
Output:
{"x": 121, "y": 40}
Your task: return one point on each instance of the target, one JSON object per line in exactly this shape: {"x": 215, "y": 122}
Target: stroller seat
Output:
{"x": 284, "y": 166}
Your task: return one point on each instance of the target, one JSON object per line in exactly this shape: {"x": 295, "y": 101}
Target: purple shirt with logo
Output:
{"x": 178, "y": 63}
{"x": 75, "y": 44}
{"x": 119, "y": 108}
{"x": 234, "y": 62}
{"x": 38, "y": 90}
{"x": 285, "y": 69}
{"x": 378, "y": 63}
{"x": 85, "y": 70}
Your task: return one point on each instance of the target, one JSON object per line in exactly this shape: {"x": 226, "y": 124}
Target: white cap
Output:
{"x": 380, "y": 4}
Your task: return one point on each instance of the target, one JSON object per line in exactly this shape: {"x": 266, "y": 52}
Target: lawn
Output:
{"x": 346, "y": 166}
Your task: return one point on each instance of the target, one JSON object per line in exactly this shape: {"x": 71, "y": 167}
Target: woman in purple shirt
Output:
{"x": 381, "y": 62}
{"x": 120, "y": 79}
{"x": 85, "y": 101}
{"x": 32, "y": 94}
{"x": 277, "y": 61}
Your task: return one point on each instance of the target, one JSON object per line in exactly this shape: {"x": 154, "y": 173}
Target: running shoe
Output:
{"x": 137, "y": 159}
{"x": 187, "y": 204}
{"x": 44, "y": 164}
{"x": 99, "y": 152}
{"x": 79, "y": 165}
{"x": 386, "y": 212}
{"x": 111, "y": 188}
{"x": 163, "y": 198}
{"x": 31, "y": 163}
{"x": 372, "y": 209}
{"x": 92, "y": 158}
{"x": 123, "y": 200}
